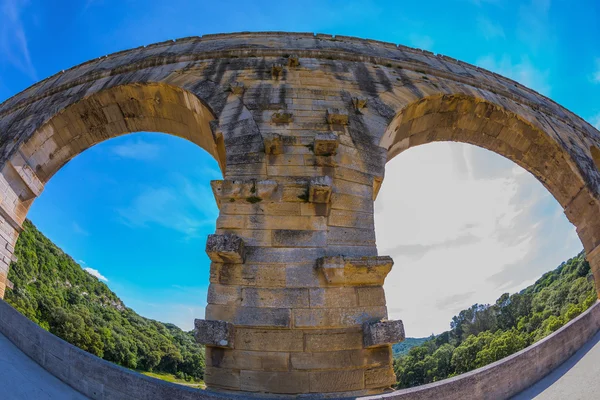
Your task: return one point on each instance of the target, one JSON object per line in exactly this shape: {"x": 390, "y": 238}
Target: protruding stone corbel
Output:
{"x": 319, "y": 189}
{"x": 249, "y": 190}
{"x": 277, "y": 71}
{"x": 382, "y": 333}
{"x": 236, "y": 87}
{"x": 273, "y": 143}
{"x": 326, "y": 144}
{"x": 359, "y": 103}
{"x": 282, "y": 117}
{"x": 227, "y": 248}
{"x": 214, "y": 333}
{"x": 336, "y": 116}
{"x": 354, "y": 271}
{"x": 293, "y": 61}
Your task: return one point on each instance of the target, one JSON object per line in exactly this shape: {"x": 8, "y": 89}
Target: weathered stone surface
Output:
{"x": 302, "y": 144}
{"x": 273, "y": 143}
{"x": 382, "y": 333}
{"x": 341, "y": 270}
{"x": 337, "y": 117}
{"x": 225, "y": 248}
{"x": 319, "y": 190}
{"x": 326, "y": 144}
{"x": 214, "y": 333}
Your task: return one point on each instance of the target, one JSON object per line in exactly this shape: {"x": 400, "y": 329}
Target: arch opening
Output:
{"x": 133, "y": 211}
{"x": 445, "y": 262}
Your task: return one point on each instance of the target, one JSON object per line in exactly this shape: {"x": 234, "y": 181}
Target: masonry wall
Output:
{"x": 99, "y": 379}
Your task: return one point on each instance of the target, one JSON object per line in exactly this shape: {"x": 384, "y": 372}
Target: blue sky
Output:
{"x": 137, "y": 209}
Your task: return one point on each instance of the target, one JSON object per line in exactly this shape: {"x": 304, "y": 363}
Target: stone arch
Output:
{"x": 300, "y": 132}
{"x": 478, "y": 121}
{"x": 595, "y": 156}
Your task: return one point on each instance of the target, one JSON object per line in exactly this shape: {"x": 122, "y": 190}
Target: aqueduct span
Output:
{"x": 302, "y": 126}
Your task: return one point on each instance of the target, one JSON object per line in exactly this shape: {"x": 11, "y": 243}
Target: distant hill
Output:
{"x": 485, "y": 333}
{"x": 51, "y": 289}
{"x": 400, "y": 349}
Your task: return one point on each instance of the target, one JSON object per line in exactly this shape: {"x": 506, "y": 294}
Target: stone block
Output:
{"x": 382, "y": 333}
{"x": 326, "y": 144}
{"x": 319, "y": 190}
{"x": 291, "y": 382}
{"x": 337, "y": 116}
{"x": 276, "y": 340}
{"x": 337, "y": 381}
{"x": 225, "y": 378}
{"x": 248, "y": 360}
{"x": 275, "y": 298}
{"x": 214, "y": 333}
{"x": 340, "y": 270}
{"x": 273, "y": 143}
{"x": 276, "y": 71}
{"x": 236, "y": 87}
{"x": 333, "y": 341}
{"x": 293, "y": 61}
{"x": 226, "y": 248}
{"x": 298, "y": 238}
{"x": 282, "y": 117}
{"x": 379, "y": 378}
{"x": 359, "y": 103}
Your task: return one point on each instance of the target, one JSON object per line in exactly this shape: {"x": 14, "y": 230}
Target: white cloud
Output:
{"x": 185, "y": 207}
{"x": 595, "y": 120}
{"x": 423, "y": 42}
{"x": 489, "y": 29}
{"x": 79, "y": 230}
{"x": 96, "y": 273}
{"x": 596, "y": 74}
{"x": 464, "y": 226}
{"x": 137, "y": 149}
{"x": 522, "y": 71}
{"x": 13, "y": 40}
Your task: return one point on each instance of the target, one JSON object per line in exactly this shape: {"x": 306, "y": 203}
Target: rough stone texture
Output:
{"x": 226, "y": 248}
{"x": 382, "y": 333}
{"x": 262, "y": 104}
{"x": 214, "y": 333}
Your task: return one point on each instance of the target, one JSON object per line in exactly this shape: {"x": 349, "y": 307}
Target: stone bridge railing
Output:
{"x": 99, "y": 379}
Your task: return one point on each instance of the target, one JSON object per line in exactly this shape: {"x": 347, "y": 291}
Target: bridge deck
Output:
{"x": 21, "y": 378}
{"x": 575, "y": 379}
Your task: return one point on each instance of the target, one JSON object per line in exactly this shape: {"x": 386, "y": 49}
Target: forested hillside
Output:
{"x": 51, "y": 289}
{"x": 483, "y": 334}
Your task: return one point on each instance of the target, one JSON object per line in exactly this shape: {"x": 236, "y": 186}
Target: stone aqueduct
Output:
{"x": 302, "y": 126}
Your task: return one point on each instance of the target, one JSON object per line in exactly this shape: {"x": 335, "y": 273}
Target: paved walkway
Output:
{"x": 575, "y": 379}
{"x": 22, "y": 379}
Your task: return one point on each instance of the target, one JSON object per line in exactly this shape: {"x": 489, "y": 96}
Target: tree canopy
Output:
{"x": 51, "y": 289}
{"x": 485, "y": 333}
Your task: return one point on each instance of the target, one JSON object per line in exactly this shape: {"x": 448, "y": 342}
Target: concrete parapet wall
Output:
{"x": 99, "y": 379}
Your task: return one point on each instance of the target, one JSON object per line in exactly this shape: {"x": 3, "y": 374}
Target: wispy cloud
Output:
{"x": 534, "y": 27}
{"x": 185, "y": 207}
{"x": 96, "y": 273}
{"x": 137, "y": 149}
{"x": 79, "y": 230}
{"x": 595, "y": 120}
{"x": 489, "y": 29}
{"x": 522, "y": 71}
{"x": 596, "y": 73}
{"x": 423, "y": 42}
{"x": 480, "y": 226}
{"x": 14, "y": 47}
